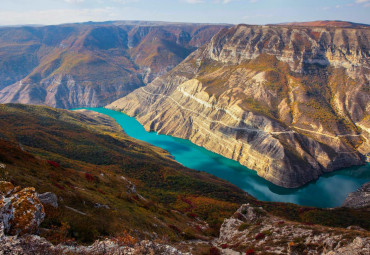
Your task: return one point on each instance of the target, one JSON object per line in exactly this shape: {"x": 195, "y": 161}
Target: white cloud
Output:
{"x": 58, "y": 16}
{"x": 365, "y": 3}
{"x": 74, "y": 1}
{"x": 223, "y": 1}
{"x": 125, "y": 1}
{"x": 193, "y": 1}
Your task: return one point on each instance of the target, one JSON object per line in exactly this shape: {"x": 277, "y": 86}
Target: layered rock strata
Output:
{"x": 291, "y": 103}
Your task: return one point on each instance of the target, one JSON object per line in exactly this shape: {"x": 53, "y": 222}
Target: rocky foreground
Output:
{"x": 21, "y": 213}
{"x": 33, "y": 244}
{"x": 251, "y": 230}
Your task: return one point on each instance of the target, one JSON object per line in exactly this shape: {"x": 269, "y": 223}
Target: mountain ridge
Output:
{"x": 326, "y": 23}
{"x": 76, "y": 65}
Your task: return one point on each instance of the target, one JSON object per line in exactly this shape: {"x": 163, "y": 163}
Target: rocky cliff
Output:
{"x": 91, "y": 64}
{"x": 289, "y": 102}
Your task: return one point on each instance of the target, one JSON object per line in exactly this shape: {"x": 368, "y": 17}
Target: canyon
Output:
{"x": 91, "y": 116}
{"x": 73, "y": 181}
{"x": 291, "y": 102}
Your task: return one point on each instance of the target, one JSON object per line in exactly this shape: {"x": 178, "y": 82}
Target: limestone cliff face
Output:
{"x": 290, "y": 103}
{"x": 348, "y": 48}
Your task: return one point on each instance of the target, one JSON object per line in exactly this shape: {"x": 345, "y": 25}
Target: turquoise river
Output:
{"x": 329, "y": 190}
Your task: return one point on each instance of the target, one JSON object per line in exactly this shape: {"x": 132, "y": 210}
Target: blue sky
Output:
{"x": 14, "y": 12}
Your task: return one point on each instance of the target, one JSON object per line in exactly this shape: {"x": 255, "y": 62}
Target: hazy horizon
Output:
{"x": 260, "y": 12}
{"x": 162, "y": 21}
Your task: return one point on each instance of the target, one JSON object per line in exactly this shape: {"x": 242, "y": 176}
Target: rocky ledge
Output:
{"x": 33, "y": 244}
{"x": 251, "y": 230}
{"x": 359, "y": 198}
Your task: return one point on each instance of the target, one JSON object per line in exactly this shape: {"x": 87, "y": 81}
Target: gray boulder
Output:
{"x": 49, "y": 198}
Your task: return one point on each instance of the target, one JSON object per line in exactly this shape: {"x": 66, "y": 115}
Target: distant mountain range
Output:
{"x": 326, "y": 23}
{"x": 91, "y": 64}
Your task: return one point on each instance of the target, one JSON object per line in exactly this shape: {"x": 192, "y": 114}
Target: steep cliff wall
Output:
{"x": 288, "y": 102}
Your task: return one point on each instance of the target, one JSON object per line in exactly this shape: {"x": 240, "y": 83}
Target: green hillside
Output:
{"x": 90, "y": 164}
{"x": 83, "y": 158}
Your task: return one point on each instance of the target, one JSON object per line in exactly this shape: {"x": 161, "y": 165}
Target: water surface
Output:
{"x": 329, "y": 190}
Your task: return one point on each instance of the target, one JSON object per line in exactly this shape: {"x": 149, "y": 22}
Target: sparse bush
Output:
{"x": 125, "y": 239}
{"x": 260, "y": 236}
{"x": 244, "y": 226}
{"x": 53, "y": 163}
{"x": 214, "y": 251}
{"x": 249, "y": 252}
{"x": 89, "y": 177}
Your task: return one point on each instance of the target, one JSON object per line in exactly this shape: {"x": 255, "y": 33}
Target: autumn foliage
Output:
{"x": 53, "y": 163}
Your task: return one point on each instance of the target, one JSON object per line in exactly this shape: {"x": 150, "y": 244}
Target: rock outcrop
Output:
{"x": 48, "y": 198}
{"x": 21, "y": 212}
{"x": 33, "y": 244}
{"x": 359, "y": 198}
{"x": 254, "y": 230}
{"x": 289, "y": 102}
